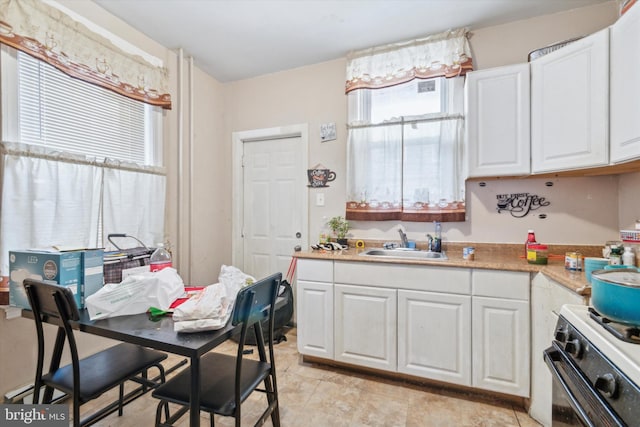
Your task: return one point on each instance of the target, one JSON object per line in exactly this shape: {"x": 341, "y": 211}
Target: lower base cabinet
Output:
{"x": 462, "y": 326}
{"x": 314, "y": 312}
{"x": 434, "y": 336}
{"x": 501, "y": 345}
{"x": 314, "y": 307}
{"x": 501, "y": 335}
{"x": 365, "y": 326}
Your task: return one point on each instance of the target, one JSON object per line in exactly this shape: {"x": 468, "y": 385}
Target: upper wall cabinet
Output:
{"x": 625, "y": 86}
{"x": 497, "y": 120}
{"x": 570, "y": 106}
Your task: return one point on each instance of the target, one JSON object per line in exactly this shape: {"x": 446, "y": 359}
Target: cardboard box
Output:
{"x": 81, "y": 271}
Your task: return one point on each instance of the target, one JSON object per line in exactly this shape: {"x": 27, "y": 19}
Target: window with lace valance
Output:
{"x": 406, "y": 130}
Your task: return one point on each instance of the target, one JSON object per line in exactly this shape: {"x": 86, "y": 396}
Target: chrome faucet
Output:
{"x": 429, "y": 242}
{"x": 403, "y": 239}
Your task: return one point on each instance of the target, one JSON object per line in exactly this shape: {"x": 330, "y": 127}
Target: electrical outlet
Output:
{"x": 320, "y": 199}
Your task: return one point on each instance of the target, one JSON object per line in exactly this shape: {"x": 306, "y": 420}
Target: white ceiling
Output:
{"x": 238, "y": 39}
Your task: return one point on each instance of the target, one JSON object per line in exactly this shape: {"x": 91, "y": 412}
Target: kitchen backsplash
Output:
{"x": 580, "y": 210}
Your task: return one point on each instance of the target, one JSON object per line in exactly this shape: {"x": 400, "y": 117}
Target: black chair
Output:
{"x": 85, "y": 379}
{"x": 227, "y": 381}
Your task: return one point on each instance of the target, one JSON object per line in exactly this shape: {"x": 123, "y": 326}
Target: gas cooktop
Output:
{"x": 625, "y": 355}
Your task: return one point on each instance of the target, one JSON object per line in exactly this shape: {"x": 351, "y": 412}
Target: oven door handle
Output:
{"x": 553, "y": 356}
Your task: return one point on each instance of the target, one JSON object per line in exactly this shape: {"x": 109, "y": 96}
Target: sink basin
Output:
{"x": 405, "y": 254}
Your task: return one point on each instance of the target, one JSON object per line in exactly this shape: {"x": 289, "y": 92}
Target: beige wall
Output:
{"x": 314, "y": 95}
{"x": 511, "y": 43}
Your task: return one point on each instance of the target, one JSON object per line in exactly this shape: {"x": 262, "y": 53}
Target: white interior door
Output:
{"x": 273, "y": 203}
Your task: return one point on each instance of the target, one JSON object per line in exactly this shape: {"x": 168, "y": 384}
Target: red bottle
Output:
{"x": 531, "y": 239}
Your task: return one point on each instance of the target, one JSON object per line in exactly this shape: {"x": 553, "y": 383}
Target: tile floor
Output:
{"x": 317, "y": 395}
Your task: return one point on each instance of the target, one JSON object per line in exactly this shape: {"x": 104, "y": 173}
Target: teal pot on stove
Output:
{"x": 615, "y": 294}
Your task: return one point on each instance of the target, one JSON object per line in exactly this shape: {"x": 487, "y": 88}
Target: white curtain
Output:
{"x": 134, "y": 204}
{"x": 432, "y": 163}
{"x": 446, "y": 54}
{"x": 410, "y": 170}
{"x": 54, "y": 199}
{"x": 374, "y": 159}
{"x": 37, "y": 212}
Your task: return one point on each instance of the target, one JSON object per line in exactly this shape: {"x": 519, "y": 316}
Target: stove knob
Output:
{"x": 562, "y": 334}
{"x": 607, "y": 385}
{"x": 574, "y": 348}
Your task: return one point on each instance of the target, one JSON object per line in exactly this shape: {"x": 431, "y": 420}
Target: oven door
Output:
{"x": 575, "y": 400}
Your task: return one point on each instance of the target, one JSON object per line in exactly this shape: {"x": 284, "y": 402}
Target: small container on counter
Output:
{"x": 573, "y": 261}
{"x": 469, "y": 253}
{"x": 537, "y": 254}
{"x": 628, "y": 257}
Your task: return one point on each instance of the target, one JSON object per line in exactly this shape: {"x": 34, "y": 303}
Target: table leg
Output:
{"x": 194, "y": 404}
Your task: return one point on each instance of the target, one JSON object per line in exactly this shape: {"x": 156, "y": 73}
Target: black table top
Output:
{"x": 159, "y": 334}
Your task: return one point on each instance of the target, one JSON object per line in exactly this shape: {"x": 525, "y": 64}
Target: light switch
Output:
{"x": 320, "y": 199}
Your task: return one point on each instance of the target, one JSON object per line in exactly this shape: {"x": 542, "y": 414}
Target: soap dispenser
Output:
{"x": 437, "y": 240}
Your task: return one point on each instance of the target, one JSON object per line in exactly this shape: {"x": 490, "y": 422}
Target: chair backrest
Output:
{"x": 54, "y": 304}
{"x": 256, "y": 302}
{"x": 51, "y": 300}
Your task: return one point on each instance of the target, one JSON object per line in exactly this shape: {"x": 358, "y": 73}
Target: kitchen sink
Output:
{"x": 405, "y": 254}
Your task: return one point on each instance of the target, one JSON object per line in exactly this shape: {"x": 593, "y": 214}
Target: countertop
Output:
{"x": 487, "y": 256}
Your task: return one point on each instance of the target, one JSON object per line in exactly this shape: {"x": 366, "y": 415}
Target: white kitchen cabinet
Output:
{"x": 365, "y": 326}
{"x": 497, "y": 121}
{"x": 461, "y": 326}
{"x": 570, "y": 106}
{"x": 547, "y": 297}
{"x": 500, "y": 331}
{"x": 314, "y": 308}
{"x": 434, "y": 336}
{"x": 625, "y": 86}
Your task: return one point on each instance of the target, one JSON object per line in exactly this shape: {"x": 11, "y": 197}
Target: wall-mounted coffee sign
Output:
{"x": 319, "y": 176}
{"x": 520, "y": 204}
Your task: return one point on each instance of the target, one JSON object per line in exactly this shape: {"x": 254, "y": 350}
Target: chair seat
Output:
{"x": 105, "y": 370}
{"x": 217, "y": 382}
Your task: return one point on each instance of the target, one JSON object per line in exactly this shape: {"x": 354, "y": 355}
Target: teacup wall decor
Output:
{"x": 319, "y": 176}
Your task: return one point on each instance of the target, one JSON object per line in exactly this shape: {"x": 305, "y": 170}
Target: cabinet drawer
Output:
{"x": 315, "y": 270}
{"x": 501, "y": 284}
{"x": 412, "y": 277}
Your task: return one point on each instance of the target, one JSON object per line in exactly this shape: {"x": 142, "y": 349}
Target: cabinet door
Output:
{"x": 434, "y": 336}
{"x": 497, "y": 121}
{"x": 501, "y": 345}
{"x": 570, "y": 106}
{"x": 314, "y": 312}
{"x": 625, "y": 86}
{"x": 547, "y": 296}
{"x": 365, "y": 326}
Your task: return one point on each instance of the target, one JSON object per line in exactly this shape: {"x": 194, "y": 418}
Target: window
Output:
{"x": 404, "y": 152}
{"x": 79, "y": 161}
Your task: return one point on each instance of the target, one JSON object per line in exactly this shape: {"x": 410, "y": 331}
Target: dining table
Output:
{"x": 157, "y": 333}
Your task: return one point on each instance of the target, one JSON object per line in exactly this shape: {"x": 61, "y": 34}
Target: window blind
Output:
{"x": 63, "y": 113}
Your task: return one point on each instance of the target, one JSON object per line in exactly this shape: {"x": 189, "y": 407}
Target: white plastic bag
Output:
{"x": 233, "y": 279}
{"x": 135, "y": 294}
{"x": 205, "y": 311}
{"x": 211, "y": 309}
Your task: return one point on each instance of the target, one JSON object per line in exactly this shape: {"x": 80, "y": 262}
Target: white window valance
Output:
{"x": 447, "y": 54}
{"x": 47, "y": 33}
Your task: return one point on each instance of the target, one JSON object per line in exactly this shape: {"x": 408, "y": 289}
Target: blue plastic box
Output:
{"x": 81, "y": 271}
